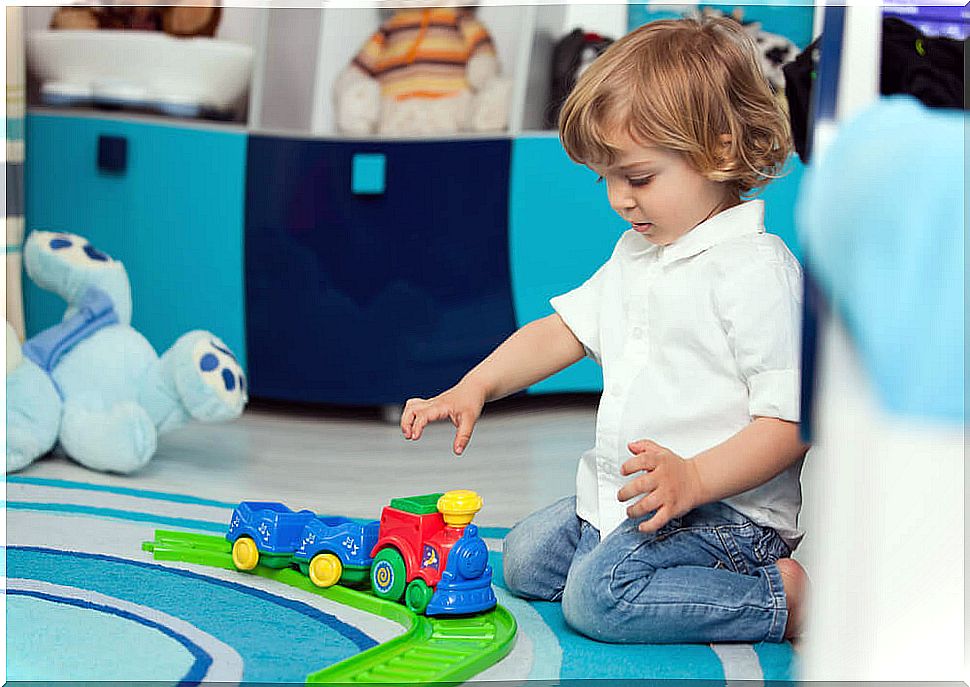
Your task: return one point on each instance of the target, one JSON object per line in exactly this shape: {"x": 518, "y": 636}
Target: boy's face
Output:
{"x": 658, "y": 192}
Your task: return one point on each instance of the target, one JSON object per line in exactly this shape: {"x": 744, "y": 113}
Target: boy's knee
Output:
{"x": 596, "y": 602}
{"x": 517, "y": 555}
{"x": 589, "y": 607}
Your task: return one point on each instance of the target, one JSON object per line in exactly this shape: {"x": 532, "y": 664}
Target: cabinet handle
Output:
{"x": 112, "y": 154}
{"x": 368, "y": 173}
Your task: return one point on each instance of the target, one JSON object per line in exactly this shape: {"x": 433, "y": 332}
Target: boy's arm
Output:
{"x": 534, "y": 352}
{"x": 762, "y": 450}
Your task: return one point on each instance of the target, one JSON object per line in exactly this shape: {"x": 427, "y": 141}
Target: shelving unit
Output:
{"x": 386, "y": 293}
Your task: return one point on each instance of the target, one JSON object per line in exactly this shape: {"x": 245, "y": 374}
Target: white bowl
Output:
{"x": 143, "y": 66}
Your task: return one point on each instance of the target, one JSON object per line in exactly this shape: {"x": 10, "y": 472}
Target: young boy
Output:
{"x": 686, "y": 509}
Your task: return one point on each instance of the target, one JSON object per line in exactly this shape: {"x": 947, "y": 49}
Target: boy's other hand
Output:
{"x": 671, "y": 484}
{"x": 462, "y": 404}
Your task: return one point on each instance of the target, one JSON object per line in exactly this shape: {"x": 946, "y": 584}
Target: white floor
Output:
{"x": 522, "y": 456}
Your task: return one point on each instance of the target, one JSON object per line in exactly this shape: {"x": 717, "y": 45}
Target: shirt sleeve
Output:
{"x": 580, "y": 310}
{"x": 760, "y": 311}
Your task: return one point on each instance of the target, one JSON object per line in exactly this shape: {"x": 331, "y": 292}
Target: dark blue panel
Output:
{"x": 371, "y": 299}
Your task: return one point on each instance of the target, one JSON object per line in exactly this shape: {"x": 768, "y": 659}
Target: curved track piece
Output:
{"x": 436, "y": 651}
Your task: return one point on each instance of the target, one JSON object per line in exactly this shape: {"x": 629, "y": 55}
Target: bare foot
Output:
{"x": 795, "y": 580}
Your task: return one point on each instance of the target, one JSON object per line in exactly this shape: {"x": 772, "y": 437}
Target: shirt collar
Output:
{"x": 746, "y": 218}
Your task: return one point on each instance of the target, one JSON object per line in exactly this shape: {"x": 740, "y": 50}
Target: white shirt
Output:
{"x": 695, "y": 339}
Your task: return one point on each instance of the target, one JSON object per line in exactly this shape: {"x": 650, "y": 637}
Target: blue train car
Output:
{"x": 265, "y": 532}
{"x": 336, "y": 549}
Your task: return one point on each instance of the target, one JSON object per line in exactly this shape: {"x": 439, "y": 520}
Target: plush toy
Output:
{"x": 94, "y": 384}
{"x": 774, "y": 50}
{"x": 426, "y": 71}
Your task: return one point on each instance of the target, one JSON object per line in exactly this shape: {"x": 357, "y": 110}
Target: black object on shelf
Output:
{"x": 112, "y": 154}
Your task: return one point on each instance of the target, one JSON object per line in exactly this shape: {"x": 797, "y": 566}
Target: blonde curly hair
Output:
{"x": 682, "y": 85}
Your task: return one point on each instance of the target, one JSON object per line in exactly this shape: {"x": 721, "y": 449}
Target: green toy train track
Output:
{"x": 431, "y": 650}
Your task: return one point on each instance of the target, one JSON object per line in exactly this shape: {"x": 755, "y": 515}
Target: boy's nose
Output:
{"x": 620, "y": 199}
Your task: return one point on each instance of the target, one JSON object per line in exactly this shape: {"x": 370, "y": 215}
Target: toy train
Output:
{"x": 424, "y": 550}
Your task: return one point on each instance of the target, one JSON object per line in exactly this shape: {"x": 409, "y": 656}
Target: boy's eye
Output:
{"x": 640, "y": 181}
{"x": 599, "y": 180}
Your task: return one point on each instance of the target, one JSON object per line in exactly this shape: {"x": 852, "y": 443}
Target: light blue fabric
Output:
{"x": 117, "y": 393}
{"x": 708, "y": 576}
{"x": 94, "y": 312}
{"x": 68, "y": 265}
{"x": 882, "y": 225}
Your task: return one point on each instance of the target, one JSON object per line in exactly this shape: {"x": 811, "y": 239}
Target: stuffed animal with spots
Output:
{"x": 92, "y": 386}
{"x": 425, "y": 71}
{"x": 773, "y": 50}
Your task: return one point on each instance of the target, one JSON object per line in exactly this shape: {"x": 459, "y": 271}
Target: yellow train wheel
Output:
{"x": 245, "y": 555}
{"x": 325, "y": 570}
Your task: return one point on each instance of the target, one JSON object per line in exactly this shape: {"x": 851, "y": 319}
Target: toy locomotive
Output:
{"x": 424, "y": 550}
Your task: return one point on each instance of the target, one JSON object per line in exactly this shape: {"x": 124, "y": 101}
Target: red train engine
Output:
{"x": 429, "y": 553}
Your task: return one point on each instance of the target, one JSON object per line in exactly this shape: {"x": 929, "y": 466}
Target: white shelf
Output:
{"x": 300, "y": 51}
{"x": 306, "y": 49}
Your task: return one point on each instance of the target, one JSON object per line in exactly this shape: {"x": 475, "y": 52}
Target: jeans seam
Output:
{"x": 698, "y": 528}
{"x": 732, "y": 551}
{"x": 622, "y": 601}
{"x": 780, "y": 615}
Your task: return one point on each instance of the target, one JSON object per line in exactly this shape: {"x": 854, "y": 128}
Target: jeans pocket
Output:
{"x": 769, "y": 547}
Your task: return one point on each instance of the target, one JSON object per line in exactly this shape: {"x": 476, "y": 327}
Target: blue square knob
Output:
{"x": 368, "y": 173}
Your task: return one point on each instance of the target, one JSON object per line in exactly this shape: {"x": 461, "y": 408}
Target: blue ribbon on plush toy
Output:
{"x": 95, "y": 311}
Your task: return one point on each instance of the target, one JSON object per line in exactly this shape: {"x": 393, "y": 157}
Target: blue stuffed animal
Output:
{"x": 94, "y": 384}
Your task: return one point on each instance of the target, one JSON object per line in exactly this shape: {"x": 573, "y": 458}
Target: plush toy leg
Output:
{"x": 121, "y": 439}
{"x": 33, "y": 414}
{"x": 208, "y": 378}
{"x": 68, "y": 265}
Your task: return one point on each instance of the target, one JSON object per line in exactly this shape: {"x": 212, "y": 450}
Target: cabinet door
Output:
{"x": 173, "y": 216}
{"x": 371, "y": 298}
{"x": 561, "y": 229}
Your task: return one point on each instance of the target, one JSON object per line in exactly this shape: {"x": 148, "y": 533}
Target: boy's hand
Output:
{"x": 462, "y": 404}
{"x": 671, "y": 484}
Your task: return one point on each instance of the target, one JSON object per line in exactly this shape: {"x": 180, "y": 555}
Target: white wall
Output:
{"x": 606, "y": 19}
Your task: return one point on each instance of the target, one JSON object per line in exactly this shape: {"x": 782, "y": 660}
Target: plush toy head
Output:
{"x": 95, "y": 385}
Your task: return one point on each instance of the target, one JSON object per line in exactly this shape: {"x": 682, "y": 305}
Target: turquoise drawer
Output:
{"x": 174, "y": 216}
{"x": 561, "y": 229}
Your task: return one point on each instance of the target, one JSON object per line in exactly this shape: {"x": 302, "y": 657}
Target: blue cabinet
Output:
{"x": 370, "y": 283}
{"x": 348, "y": 272}
{"x": 173, "y": 214}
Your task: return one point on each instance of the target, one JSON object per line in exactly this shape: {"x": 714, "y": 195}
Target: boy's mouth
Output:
{"x": 642, "y": 227}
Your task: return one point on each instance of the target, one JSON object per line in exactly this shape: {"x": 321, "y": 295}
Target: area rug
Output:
{"x": 84, "y": 602}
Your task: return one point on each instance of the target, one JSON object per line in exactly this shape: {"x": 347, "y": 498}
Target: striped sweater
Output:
{"x": 422, "y": 53}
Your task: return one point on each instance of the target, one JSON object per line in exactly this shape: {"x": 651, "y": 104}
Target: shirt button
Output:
{"x": 637, "y": 333}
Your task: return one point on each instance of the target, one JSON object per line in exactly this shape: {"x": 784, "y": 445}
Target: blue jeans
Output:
{"x": 707, "y": 576}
